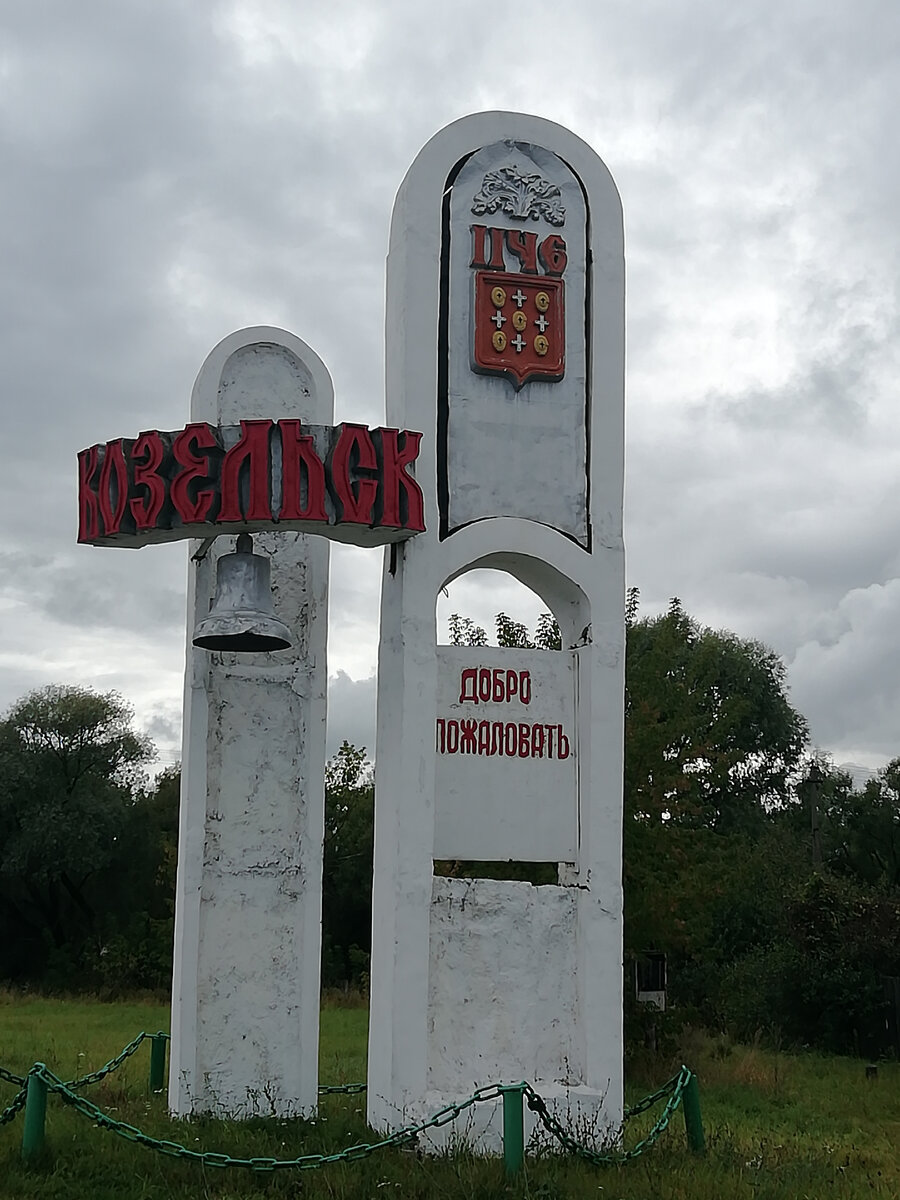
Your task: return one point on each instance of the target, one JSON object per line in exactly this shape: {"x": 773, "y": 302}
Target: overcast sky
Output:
{"x": 175, "y": 171}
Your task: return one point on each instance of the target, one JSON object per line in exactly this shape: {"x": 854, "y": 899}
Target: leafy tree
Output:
{"x": 70, "y": 766}
{"x": 510, "y": 633}
{"x": 819, "y": 975}
{"x": 862, "y": 831}
{"x": 546, "y": 633}
{"x": 711, "y": 737}
{"x": 137, "y": 929}
{"x": 712, "y": 752}
{"x": 821, "y": 792}
{"x": 347, "y": 867}
{"x": 464, "y": 632}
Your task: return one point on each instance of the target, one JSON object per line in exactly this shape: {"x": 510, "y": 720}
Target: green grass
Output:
{"x": 779, "y": 1127}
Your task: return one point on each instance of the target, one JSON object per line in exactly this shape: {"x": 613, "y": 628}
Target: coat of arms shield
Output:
{"x": 519, "y": 326}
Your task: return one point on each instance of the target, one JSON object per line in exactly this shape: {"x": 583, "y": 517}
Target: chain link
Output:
{"x": 212, "y": 1159}
{"x": 648, "y": 1101}
{"x": 537, "y": 1104}
{"x": 102, "y": 1072}
{"x": 9, "y": 1113}
{"x": 67, "y": 1091}
{"x": 108, "y": 1068}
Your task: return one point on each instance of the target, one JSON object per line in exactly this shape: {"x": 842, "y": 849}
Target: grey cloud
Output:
{"x": 351, "y": 713}
{"x": 173, "y": 172}
{"x": 846, "y": 683}
{"x": 107, "y": 591}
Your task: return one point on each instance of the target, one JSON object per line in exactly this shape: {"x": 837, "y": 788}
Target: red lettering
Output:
{"x": 524, "y": 246}
{"x": 297, "y": 450}
{"x": 537, "y": 741}
{"x": 402, "y": 503}
{"x": 148, "y": 446}
{"x": 562, "y": 743}
{"x": 484, "y": 684}
{"x": 112, "y": 509}
{"x": 497, "y": 263}
{"x": 468, "y": 743}
{"x": 440, "y": 735}
{"x": 550, "y": 730}
{"x": 198, "y": 436}
{"x": 524, "y": 740}
{"x": 452, "y": 737}
{"x": 484, "y": 738}
{"x": 253, "y": 447}
{"x": 499, "y": 688}
{"x": 512, "y": 684}
{"x": 354, "y": 451}
{"x": 525, "y": 686}
{"x": 468, "y": 676}
{"x": 552, "y": 253}
{"x": 511, "y": 739}
{"x": 479, "y": 244}
{"x": 497, "y": 728}
{"x": 88, "y": 509}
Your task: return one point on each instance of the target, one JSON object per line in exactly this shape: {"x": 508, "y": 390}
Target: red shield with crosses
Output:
{"x": 519, "y": 326}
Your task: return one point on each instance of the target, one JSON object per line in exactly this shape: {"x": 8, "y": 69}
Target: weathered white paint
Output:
{"x": 503, "y": 1005}
{"x": 527, "y": 491}
{"x": 491, "y": 805}
{"x": 245, "y": 1012}
{"x": 542, "y": 429}
{"x": 509, "y": 973}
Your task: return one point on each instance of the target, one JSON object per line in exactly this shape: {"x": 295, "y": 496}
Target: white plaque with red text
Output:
{"x": 506, "y": 779}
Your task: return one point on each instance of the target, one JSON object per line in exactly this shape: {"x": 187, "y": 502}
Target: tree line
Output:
{"x": 770, "y": 883}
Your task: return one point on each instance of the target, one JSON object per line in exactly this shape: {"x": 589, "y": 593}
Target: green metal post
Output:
{"x": 513, "y": 1129}
{"x": 35, "y": 1114}
{"x": 693, "y": 1122}
{"x": 157, "y": 1062}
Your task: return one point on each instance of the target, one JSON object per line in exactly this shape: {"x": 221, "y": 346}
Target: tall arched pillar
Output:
{"x": 504, "y": 224}
{"x": 245, "y": 994}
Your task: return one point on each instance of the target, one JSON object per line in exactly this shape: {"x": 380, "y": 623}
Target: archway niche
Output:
{"x": 474, "y": 600}
{"x": 546, "y": 607}
{"x": 518, "y": 585}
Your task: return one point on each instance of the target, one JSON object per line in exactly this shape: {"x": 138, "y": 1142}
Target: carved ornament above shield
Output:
{"x": 521, "y": 195}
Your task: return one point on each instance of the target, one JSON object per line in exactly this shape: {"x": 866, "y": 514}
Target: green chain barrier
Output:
{"x": 674, "y": 1089}
{"x": 18, "y": 1080}
{"x": 513, "y": 1128}
{"x": 12, "y": 1111}
{"x": 212, "y": 1159}
{"x": 157, "y": 1063}
{"x": 693, "y": 1122}
{"x": 680, "y": 1089}
{"x": 95, "y": 1076}
{"x": 35, "y": 1112}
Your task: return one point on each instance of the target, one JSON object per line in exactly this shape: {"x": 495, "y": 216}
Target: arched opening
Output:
{"x": 485, "y": 613}
{"x": 492, "y": 607}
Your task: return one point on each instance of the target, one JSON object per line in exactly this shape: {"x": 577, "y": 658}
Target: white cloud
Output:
{"x": 173, "y": 172}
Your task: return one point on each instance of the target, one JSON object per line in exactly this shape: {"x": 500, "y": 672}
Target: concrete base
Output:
{"x": 582, "y": 1112}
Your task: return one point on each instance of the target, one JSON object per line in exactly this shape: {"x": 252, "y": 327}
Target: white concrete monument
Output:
{"x": 505, "y": 344}
{"x": 260, "y": 456}
{"x": 245, "y": 994}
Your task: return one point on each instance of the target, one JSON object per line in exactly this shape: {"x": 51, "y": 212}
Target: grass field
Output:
{"x": 779, "y": 1127}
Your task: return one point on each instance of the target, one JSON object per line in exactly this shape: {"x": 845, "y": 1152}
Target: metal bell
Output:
{"x": 241, "y": 618}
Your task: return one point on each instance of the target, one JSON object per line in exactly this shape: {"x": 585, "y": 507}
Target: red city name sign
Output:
{"x": 347, "y": 482}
